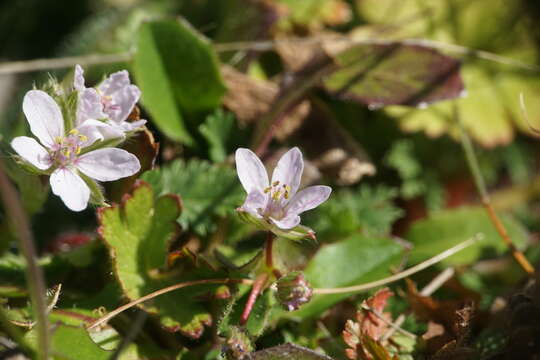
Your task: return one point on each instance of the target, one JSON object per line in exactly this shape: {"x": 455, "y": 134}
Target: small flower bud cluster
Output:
{"x": 293, "y": 291}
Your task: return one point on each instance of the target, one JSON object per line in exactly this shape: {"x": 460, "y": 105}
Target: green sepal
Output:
{"x": 297, "y": 233}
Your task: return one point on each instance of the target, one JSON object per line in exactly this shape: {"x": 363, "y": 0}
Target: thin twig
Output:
{"x": 14, "y": 67}
{"x": 34, "y": 274}
{"x": 429, "y": 289}
{"x": 472, "y": 162}
{"x": 410, "y": 271}
{"x": 154, "y": 294}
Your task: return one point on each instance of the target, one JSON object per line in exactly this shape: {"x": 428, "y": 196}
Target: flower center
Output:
{"x": 66, "y": 149}
{"x": 279, "y": 196}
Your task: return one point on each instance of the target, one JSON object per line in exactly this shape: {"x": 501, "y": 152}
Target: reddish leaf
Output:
{"x": 395, "y": 73}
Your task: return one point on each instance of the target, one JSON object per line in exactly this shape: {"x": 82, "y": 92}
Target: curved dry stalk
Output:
{"x": 154, "y": 294}
{"x": 406, "y": 273}
{"x": 474, "y": 167}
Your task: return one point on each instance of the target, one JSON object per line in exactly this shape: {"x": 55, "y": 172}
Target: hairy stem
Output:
{"x": 472, "y": 162}
{"x": 258, "y": 286}
{"x": 34, "y": 274}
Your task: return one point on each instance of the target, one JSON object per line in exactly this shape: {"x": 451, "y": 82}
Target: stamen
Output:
{"x": 276, "y": 195}
{"x": 83, "y": 138}
{"x": 78, "y": 150}
{"x": 73, "y": 132}
{"x": 267, "y": 190}
{"x": 275, "y": 183}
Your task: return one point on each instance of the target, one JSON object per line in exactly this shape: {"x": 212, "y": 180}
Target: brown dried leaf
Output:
{"x": 249, "y": 99}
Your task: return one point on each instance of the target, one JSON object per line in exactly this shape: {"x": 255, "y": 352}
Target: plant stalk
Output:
{"x": 34, "y": 274}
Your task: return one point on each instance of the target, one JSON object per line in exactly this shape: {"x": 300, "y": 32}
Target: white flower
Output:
{"x": 64, "y": 154}
{"x": 278, "y": 202}
{"x": 113, "y": 99}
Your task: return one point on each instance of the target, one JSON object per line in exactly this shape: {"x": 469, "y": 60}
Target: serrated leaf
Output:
{"x": 361, "y": 259}
{"x": 178, "y": 73}
{"x": 138, "y": 233}
{"x": 218, "y": 130}
{"x": 369, "y": 209}
{"x": 395, "y": 73}
{"x": 207, "y": 191}
{"x": 447, "y": 228}
{"x": 288, "y": 352}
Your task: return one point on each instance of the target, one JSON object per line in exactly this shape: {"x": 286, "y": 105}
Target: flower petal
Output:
{"x": 114, "y": 82}
{"x": 251, "y": 171}
{"x": 71, "y": 188}
{"x": 95, "y": 130}
{"x": 254, "y": 201}
{"x": 308, "y": 198}
{"x": 288, "y": 222}
{"x": 78, "y": 78}
{"x": 108, "y": 164}
{"x": 30, "y": 150}
{"x": 289, "y": 170}
{"x": 44, "y": 116}
{"x": 123, "y": 102}
{"x": 89, "y": 106}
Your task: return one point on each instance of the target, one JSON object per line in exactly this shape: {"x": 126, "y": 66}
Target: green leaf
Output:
{"x": 178, "y": 73}
{"x": 369, "y": 209}
{"x": 72, "y": 343}
{"x": 361, "y": 259}
{"x": 395, "y": 73}
{"x": 207, "y": 191}
{"x": 447, "y": 228}
{"x": 288, "y": 352}
{"x": 138, "y": 233}
{"x": 217, "y": 130}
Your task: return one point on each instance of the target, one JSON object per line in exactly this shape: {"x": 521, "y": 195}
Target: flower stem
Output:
{"x": 472, "y": 162}
{"x": 258, "y": 285}
{"x": 34, "y": 274}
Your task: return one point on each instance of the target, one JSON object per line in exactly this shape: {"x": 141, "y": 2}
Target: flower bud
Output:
{"x": 293, "y": 291}
{"x": 238, "y": 345}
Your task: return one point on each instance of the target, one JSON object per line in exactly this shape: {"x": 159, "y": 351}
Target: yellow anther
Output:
{"x": 73, "y": 132}
{"x": 67, "y": 152}
{"x": 286, "y": 195}
{"x": 83, "y": 138}
{"x": 58, "y": 139}
{"x": 78, "y": 150}
{"x": 287, "y": 188}
{"x": 267, "y": 190}
{"x": 276, "y": 195}
{"x": 275, "y": 183}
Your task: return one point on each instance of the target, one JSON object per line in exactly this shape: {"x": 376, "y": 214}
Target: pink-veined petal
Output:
{"x": 108, "y": 164}
{"x": 123, "y": 102}
{"x": 78, "y": 78}
{"x": 287, "y": 222}
{"x": 289, "y": 170}
{"x": 254, "y": 201}
{"x": 89, "y": 106}
{"x": 71, "y": 188}
{"x": 44, "y": 116}
{"x": 30, "y": 150}
{"x": 251, "y": 171}
{"x": 308, "y": 198}
{"x": 114, "y": 82}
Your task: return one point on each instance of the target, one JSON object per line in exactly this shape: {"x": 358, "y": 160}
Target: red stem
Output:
{"x": 258, "y": 285}
{"x": 269, "y": 245}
